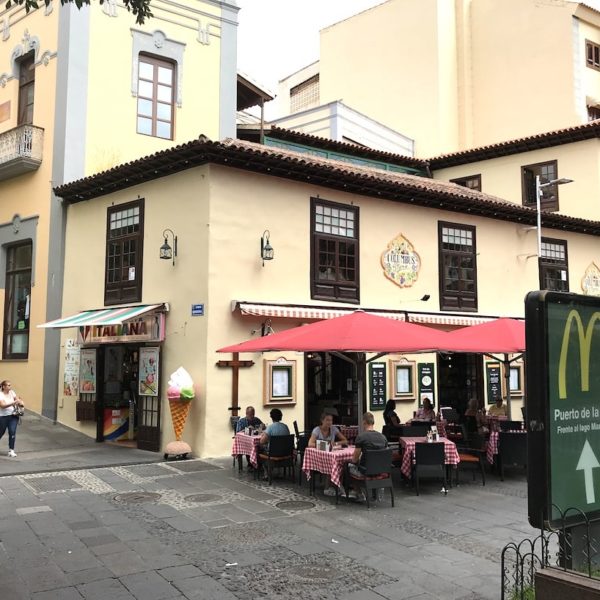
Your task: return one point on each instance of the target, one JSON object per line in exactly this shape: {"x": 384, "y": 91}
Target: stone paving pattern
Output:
{"x": 200, "y": 530}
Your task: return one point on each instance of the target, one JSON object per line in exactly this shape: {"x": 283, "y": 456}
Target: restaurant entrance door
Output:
{"x": 330, "y": 384}
{"x": 460, "y": 378}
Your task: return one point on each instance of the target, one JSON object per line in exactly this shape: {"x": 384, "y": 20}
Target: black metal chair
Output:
{"x": 301, "y": 445}
{"x": 280, "y": 455}
{"x": 510, "y": 425}
{"x": 524, "y": 413}
{"x": 298, "y": 432}
{"x": 234, "y": 421}
{"x": 512, "y": 450}
{"x": 472, "y": 454}
{"x": 375, "y": 473}
{"x": 449, "y": 414}
{"x": 430, "y": 458}
{"x": 413, "y": 430}
{"x": 392, "y": 432}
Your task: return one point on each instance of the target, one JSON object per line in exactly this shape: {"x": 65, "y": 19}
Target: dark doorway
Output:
{"x": 460, "y": 378}
{"x": 330, "y": 384}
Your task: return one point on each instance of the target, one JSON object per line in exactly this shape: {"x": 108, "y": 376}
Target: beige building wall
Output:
{"x": 387, "y": 63}
{"x": 111, "y": 105}
{"x": 220, "y": 216}
{"x": 21, "y": 195}
{"x": 456, "y": 74}
{"x": 578, "y": 161}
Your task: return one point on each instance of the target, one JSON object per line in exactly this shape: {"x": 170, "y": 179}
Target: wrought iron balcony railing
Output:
{"x": 20, "y": 150}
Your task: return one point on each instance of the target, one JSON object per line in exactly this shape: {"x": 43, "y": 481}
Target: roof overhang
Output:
{"x": 318, "y": 312}
{"x": 105, "y": 316}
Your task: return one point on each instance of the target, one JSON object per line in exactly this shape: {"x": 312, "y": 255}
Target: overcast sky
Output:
{"x": 278, "y": 37}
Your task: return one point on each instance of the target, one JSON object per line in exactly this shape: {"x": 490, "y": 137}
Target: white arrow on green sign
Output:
{"x": 587, "y": 462}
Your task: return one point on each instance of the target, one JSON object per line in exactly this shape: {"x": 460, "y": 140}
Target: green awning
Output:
{"x": 105, "y": 316}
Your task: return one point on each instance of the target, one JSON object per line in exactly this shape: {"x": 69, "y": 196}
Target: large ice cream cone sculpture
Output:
{"x": 180, "y": 410}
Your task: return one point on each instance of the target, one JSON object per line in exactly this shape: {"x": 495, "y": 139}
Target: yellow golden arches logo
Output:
{"x": 585, "y": 345}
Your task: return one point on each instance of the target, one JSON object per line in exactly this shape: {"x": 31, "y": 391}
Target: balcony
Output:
{"x": 20, "y": 150}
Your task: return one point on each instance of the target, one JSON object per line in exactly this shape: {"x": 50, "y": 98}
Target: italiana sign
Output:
{"x": 149, "y": 328}
{"x": 590, "y": 283}
{"x": 563, "y": 405}
{"x": 401, "y": 264}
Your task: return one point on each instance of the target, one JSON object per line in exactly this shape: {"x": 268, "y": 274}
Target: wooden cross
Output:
{"x": 235, "y": 365}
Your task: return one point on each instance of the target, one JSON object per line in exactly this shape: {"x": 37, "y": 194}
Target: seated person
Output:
{"x": 426, "y": 412}
{"x": 369, "y": 439}
{"x": 475, "y": 417}
{"x": 250, "y": 420}
{"x": 326, "y": 431}
{"x": 275, "y": 428}
{"x": 389, "y": 414}
{"x": 498, "y": 409}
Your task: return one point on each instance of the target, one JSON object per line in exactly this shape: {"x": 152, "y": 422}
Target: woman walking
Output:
{"x": 8, "y": 419}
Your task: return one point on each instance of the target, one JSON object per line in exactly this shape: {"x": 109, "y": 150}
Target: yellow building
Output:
{"x": 338, "y": 231}
{"x": 82, "y": 91}
{"x": 454, "y": 74}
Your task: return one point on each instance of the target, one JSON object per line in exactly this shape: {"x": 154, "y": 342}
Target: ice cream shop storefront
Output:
{"x": 111, "y": 372}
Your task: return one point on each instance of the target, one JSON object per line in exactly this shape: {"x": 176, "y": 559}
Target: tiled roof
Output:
{"x": 548, "y": 139}
{"x": 399, "y": 187}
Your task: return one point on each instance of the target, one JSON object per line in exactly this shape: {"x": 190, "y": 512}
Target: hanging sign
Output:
{"x": 148, "y": 372}
{"x": 71, "y": 369}
{"x": 400, "y": 262}
{"x": 426, "y": 383}
{"x": 590, "y": 284}
{"x": 87, "y": 373}
{"x": 377, "y": 396}
{"x": 149, "y": 328}
{"x": 494, "y": 382}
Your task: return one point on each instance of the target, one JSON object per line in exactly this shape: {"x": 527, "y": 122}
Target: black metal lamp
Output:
{"x": 166, "y": 252}
{"x": 266, "y": 250}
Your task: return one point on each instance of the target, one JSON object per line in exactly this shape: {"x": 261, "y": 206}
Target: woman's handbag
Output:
{"x": 18, "y": 410}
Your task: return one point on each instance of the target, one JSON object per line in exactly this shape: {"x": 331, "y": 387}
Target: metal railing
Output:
{"x": 23, "y": 142}
{"x": 568, "y": 547}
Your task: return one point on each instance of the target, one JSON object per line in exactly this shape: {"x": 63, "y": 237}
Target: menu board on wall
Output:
{"x": 426, "y": 383}
{"x": 377, "y": 387}
{"x": 494, "y": 382}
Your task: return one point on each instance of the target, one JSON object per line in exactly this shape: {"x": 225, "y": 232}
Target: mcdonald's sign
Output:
{"x": 562, "y": 404}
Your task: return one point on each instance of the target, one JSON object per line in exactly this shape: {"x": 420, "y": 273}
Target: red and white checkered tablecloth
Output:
{"x": 246, "y": 445}
{"x": 408, "y": 444}
{"x": 349, "y": 432}
{"x": 492, "y": 447}
{"x": 329, "y": 463}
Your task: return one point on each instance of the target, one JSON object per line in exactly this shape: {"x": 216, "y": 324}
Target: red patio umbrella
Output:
{"x": 500, "y": 336}
{"x": 350, "y": 336}
{"x": 355, "y": 332}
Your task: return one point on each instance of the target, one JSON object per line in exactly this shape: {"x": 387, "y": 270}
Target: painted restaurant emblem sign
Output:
{"x": 400, "y": 262}
{"x": 590, "y": 284}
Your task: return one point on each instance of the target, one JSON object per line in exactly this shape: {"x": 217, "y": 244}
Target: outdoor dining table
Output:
{"x": 492, "y": 447}
{"x": 329, "y": 463}
{"x": 408, "y": 445}
{"x": 246, "y": 445}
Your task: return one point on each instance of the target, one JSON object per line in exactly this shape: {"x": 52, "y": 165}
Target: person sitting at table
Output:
{"x": 498, "y": 409}
{"x": 250, "y": 420}
{"x": 475, "y": 417}
{"x": 368, "y": 439}
{"x": 330, "y": 433}
{"x": 426, "y": 412}
{"x": 275, "y": 428}
{"x": 326, "y": 431}
{"x": 389, "y": 414}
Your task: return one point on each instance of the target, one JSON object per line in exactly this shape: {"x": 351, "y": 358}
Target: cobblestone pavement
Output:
{"x": 200, "y": 530}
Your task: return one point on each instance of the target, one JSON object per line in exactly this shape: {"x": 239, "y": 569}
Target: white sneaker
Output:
{"x": 352, "y": 494}
{"x": 330, "y": 491}
{"x": 12, "y": 454}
